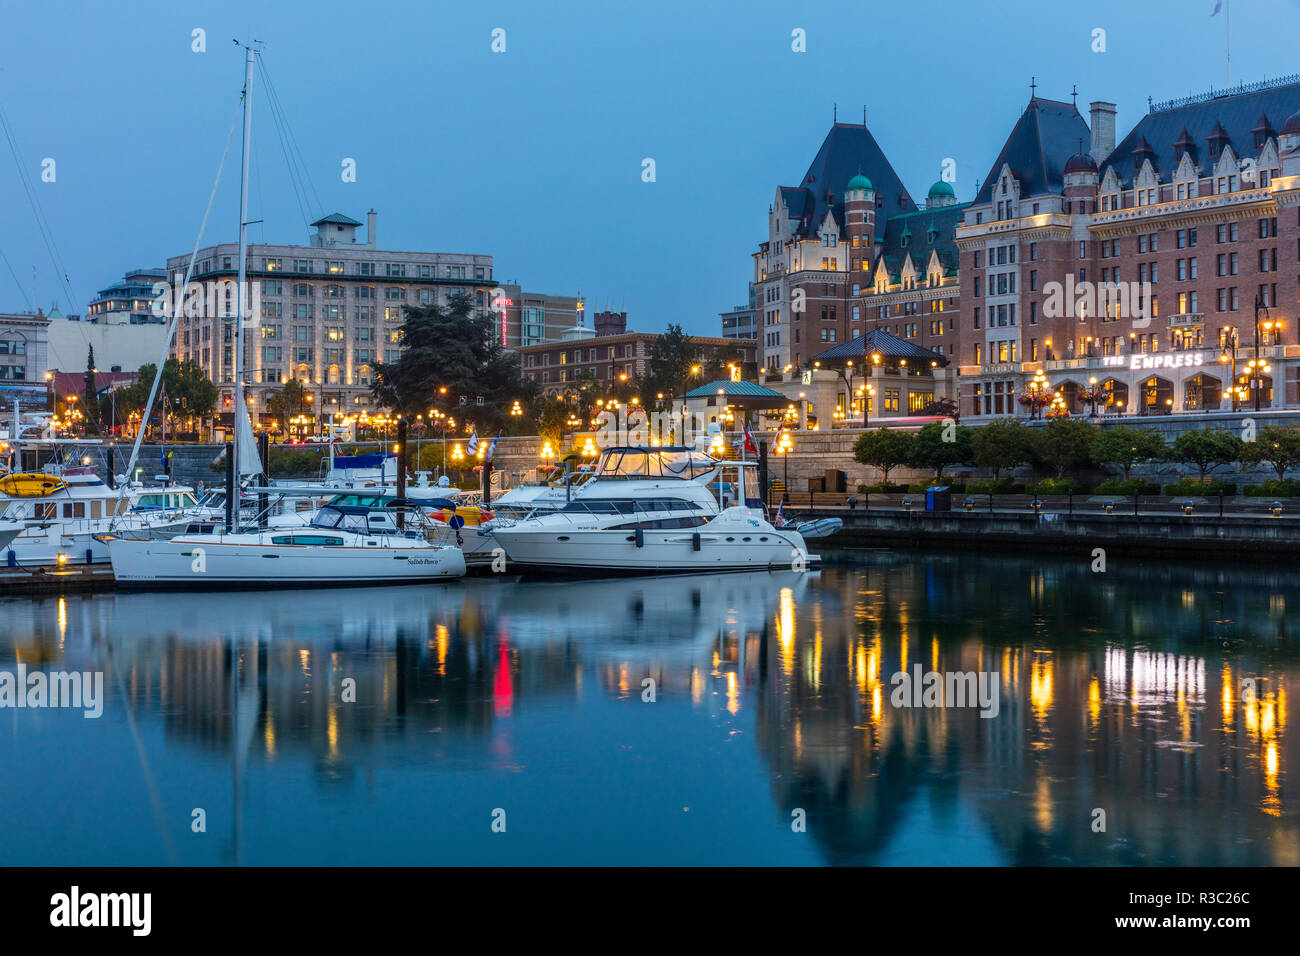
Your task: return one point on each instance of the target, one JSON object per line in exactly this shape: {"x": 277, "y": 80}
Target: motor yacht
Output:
{"x": 654, "y": 510}
{"x": 63, "y": 525}
{"x": 344, "y": 544}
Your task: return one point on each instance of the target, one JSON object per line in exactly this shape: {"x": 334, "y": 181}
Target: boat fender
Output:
{"x": 640, "y": 538}
{"x": 695, "y": 541}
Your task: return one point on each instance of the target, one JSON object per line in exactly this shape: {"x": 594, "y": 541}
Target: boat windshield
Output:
{"x": 654, "y": 463}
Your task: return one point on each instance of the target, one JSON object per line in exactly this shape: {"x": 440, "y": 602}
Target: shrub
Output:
{"x": 1133, "y": 486}
{"x": 1186, "y": 487}
{"x": 1058, "y": 486}
{"x": 1290, "y": 488}
{"x": 883, "y": 487}
{"x": 1004, "y": 487}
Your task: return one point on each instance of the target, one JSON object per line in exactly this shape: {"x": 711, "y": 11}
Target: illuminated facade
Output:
{"x": 1134, "y": 269}
{"x": 328, "y": 312}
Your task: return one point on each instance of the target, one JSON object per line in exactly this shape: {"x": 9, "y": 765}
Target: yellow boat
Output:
{"x": 31, "y": 485}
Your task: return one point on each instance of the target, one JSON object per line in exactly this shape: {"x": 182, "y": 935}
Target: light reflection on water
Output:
{"x": 386, "y": 726}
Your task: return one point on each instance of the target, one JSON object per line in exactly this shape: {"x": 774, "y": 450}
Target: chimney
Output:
{"x": 1102, "y": 115}
{"x": 372, "y": 235}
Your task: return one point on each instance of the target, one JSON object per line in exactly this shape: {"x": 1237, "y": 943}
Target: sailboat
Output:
{"x": 342, "y": 545}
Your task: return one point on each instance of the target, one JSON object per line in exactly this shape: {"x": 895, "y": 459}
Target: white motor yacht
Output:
{"x": 64, "y": 525}
{"x": 632, "y": 517}
{"x": 344, "y": 544}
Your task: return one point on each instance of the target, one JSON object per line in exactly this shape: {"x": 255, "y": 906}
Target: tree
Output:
{"x": 90, "y": 394}
{"x": 1125, "y": 446}
{"x": 551, "y": 419}
{"x": 1207, "y": 448}
{"x": 1002, "y": 444}
{"x": 288, "y": 403}
{"x": 716, "y": 365}
{"x": 1066, "y": 443}
{"x": 672, "y": 356}
{"x": 939, "y": 445}
{"x": 185, "y": 391}
{"x": 884, "y": 448}
{"x": 450, "y": 359}
{"x": 1275, "y": 445}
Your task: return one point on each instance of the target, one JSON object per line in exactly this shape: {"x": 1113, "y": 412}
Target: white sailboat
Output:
{"x": 342, "y": 544}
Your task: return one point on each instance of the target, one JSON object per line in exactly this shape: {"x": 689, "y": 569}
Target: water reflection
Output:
{"x": 318, "y": 726}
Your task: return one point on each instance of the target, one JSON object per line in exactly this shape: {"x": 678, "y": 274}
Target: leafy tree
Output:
{"x": 551, "y": 418}
{"x": 185, "y": 391}
{"x": 1066, "y": 443}
{"x": 942, "y": 406}
{"x": 672, "y": 356}
{"x": 1275, "y": 445}
{"x": 1125, "y": 446}
{"x": 939, "y": 445}
{"x": 1207, "y": 448}
{"x": 452, "y": 347}
{"x": 289, "y": 402}
{"x": 884, "y": 448}
{"x": 1002, "y": 444}
{"x": 715, "y": 365}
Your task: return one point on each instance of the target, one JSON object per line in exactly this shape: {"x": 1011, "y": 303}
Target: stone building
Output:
{"x": 327, "y": 312}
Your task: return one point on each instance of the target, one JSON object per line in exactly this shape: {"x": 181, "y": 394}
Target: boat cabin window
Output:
{"x": 74, "y": 509}
{"x": 661, "y": 524}
{"x": 627, "y": 506}
{"x": 316, "y": 540}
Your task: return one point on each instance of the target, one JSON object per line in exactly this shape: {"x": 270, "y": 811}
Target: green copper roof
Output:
{"x": 942, "y": 190}
{"x": 859, "y": 182}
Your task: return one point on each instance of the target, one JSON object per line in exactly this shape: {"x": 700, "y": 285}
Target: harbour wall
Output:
{"x": 1231, "y": 539}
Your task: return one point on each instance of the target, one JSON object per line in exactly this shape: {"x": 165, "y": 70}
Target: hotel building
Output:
{"x": 1161, "y": 271}
{"x": 1136, "y": 268}
{"x": 328, "y": 312}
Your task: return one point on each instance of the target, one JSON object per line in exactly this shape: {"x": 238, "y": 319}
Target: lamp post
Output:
{"x": 784, "y": 445}
{"x": 1259, "y": 367}
{"x": 1229, "y": 357}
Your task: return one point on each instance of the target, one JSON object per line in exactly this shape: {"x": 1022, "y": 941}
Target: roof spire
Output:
{"x": 835, "y": 112}
{"x": 1033, "y": 87}
{"x": 1074, "y": 96}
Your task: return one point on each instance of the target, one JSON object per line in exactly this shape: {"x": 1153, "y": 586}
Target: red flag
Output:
{"x": 749, "y": 440}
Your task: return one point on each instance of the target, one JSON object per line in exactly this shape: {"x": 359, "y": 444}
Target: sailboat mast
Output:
{"x": 241, "y": 294}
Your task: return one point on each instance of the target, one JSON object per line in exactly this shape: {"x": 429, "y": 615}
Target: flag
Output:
{"x": 779, "y": 520}
{"x": 749, "y": 440}
{"x": 492, "y": 448}
{"x": 472, "y": 447}
{"x": 1218, "y": 5}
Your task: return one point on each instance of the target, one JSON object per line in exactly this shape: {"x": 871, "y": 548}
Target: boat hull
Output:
{"x": 659, "y": 552}
{"x": 196, "y": 563}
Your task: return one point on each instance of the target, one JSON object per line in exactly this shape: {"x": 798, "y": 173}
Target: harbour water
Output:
{"x": 713, "y": 719}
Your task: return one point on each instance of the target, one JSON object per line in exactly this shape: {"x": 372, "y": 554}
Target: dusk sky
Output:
{"x": 535, "y": 155}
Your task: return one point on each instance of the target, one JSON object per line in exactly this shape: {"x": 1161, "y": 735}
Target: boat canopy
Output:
{"x": 372, "y": 460}
{"x": 668, "y": 461}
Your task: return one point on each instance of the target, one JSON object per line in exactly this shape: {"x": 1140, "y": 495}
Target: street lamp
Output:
{"x": 784, "y": 446}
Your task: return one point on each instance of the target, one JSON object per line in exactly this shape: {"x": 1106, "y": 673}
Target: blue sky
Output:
{"x": 535, "y": 155}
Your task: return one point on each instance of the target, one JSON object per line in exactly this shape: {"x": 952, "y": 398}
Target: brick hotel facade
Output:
{"x": 1196, "y": 211}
